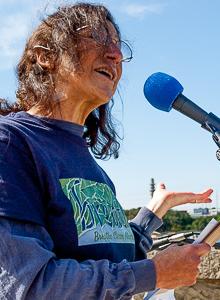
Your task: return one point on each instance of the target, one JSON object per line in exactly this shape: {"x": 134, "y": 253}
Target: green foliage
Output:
{"x": 131, "y": 213}
{"x": 218, "y": 217}
{"x": 200, "y": 223}
{"x": 177, "y": 220}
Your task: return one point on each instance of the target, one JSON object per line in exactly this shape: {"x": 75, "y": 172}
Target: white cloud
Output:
{"x": 13, "y": 29}
{"x": 18, "y": 18}
{"x": 15, "y": 26}
{"x": 139, "y": 10}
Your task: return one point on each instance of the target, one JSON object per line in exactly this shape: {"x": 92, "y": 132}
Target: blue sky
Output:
{"x": 178, "y": 37}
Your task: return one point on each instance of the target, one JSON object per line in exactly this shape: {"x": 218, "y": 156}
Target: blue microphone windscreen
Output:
{"x": 161, "y": 90}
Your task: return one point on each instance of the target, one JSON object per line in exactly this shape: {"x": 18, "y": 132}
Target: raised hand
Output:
{"x": 163, "y": 200}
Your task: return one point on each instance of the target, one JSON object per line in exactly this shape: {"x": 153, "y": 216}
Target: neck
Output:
{"x": 66, "y": 109}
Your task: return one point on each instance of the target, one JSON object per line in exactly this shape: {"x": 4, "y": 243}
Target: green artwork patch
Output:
{"x": 96, "y": 210}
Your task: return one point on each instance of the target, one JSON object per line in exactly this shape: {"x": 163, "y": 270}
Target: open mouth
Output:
{"x": 105, "y": 73}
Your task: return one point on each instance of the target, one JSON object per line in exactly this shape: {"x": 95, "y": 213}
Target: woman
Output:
{"x": 64, "y": 234}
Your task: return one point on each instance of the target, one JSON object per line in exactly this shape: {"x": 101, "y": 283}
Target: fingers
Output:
{"x": 194, "y": 198}
{"x": 202, "y": 197}
{"x": 206, "y": 200}
{"x": 202, "y": 249}
{"x": 197, "y": 199}
{"x": 161, "y": 186}
{"x": 208, "y": 192}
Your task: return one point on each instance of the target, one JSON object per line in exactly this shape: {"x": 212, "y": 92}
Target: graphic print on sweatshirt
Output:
{"x": 97, "y": 213}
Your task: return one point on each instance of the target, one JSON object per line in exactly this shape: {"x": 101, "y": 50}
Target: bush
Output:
{"x": 177, "y": 220}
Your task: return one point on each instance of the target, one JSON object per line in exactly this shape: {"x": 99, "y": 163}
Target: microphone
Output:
{"x": 164, "y": 92}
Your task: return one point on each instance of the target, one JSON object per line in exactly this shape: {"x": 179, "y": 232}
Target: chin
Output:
{"x": 101, "y": 94}
{"x": 103, "y": 99}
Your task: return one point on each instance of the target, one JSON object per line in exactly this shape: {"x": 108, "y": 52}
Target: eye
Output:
{"x": 100, "y": 35}
{"x": 85, "y": 31}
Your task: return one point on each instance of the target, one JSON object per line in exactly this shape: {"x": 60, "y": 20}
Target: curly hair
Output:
{"x": 56, "y": 35}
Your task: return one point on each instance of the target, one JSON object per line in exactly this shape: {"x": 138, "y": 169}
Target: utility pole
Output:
{"x": 152, "y": 187}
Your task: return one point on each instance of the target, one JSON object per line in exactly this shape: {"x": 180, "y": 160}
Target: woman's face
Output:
{"x": 95, "y": 79}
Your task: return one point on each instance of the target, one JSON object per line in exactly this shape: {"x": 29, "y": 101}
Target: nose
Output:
{"x": 113, "y": 52}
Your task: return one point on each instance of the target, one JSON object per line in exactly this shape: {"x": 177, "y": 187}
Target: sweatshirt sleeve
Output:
{"x": 21, "y": 195}
{"x": 30, "y": 270}
{"x": 143, "y": 226}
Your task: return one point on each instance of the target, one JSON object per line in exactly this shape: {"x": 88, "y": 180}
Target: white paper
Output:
{"x": 162, "y": 294}
{"x": 211, "y": 225}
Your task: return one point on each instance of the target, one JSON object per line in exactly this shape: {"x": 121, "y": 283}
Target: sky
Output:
{"x": 178, "y": 37}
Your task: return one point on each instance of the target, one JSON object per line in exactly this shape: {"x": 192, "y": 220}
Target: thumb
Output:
{"x": 202, "y": 249}
{"x": 161, "y": 186}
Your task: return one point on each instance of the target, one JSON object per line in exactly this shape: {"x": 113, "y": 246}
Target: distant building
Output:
{"x": 198, "y": 212}
{"x": 213, "y": 211}
{"x": 201, "y": 211}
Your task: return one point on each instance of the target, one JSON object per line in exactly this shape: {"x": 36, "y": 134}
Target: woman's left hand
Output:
{"x": 163, "y": 200}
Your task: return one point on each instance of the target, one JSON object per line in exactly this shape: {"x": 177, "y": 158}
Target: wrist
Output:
{"x": 157, "y": 210}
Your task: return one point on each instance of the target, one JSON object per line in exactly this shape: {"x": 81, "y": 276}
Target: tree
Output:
{"x": 176, "y": 220}
{"x": 131, "y": 213}
{"x": 200, "y": 223}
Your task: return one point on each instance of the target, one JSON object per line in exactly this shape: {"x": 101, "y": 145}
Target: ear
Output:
{"x": 45, "y": 60}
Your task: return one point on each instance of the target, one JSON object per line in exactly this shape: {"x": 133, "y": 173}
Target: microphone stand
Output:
{"x": 215, "y": 135}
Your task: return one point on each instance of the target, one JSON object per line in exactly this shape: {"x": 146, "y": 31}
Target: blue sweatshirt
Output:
{"x": 62, "y": 224}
